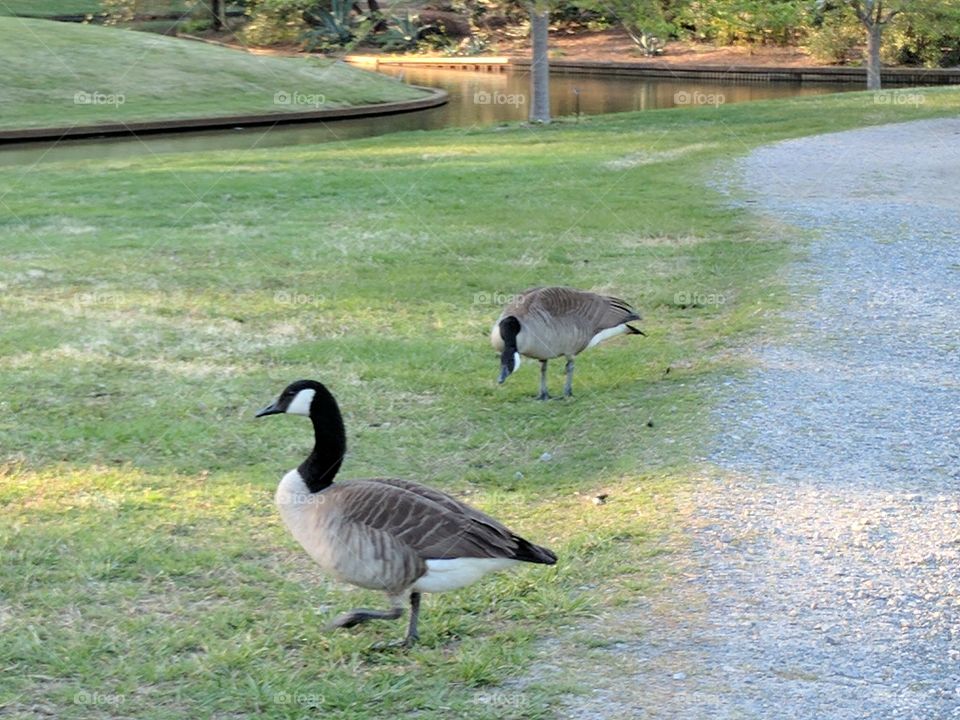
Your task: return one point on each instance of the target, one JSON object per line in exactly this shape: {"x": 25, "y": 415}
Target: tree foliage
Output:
{"x": 728, "y": 22}
{"x": 923, "y": 32}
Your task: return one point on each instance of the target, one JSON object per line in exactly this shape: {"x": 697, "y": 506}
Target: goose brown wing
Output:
{"x": 586, "y": 312}
{"x": 522, "y": 549}
{"x": 441, "y": 498}
{"x": 602, "y": 311}
{"x": 521, "y": 302}
{"x": 614, "y": 312}
{"x": 433, "y": 524}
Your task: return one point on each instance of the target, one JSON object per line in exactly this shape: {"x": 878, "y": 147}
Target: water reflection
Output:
{"x": 480, "y": 98}
{"x": 476, "y": 99}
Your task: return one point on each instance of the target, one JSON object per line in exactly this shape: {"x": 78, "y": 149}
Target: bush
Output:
{"x": 198, "y": 25}
{"x": 275, "y": 22}
{"x": 836, "y": 41}
{"x": 905, "y": 45}
{"x": 731, "y": 22}
{"x": 337, "y": 27}
{"x": 404, "y": 32}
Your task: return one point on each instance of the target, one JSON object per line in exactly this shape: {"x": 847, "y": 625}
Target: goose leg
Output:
{"x": 544, "y": 395}
{"x": 412, "y": 634}
{"x": 568, "y": 388}
{"x": 362, "y": 615}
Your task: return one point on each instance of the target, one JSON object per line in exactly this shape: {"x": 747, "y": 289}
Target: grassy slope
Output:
{"x": 151, "y": 306}
{"x": 48, "y": 8}
{"x": 42, "y": 8}
{"x": 46, "y": 64}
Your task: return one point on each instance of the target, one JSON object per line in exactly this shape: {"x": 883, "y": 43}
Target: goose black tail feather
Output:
{"x": 528, "y": 552}
{"x": 635, "y": 331}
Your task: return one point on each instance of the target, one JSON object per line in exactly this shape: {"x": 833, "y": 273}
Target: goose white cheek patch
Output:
{"x": 516, "y": 360}
{"x": 300, "y": 405}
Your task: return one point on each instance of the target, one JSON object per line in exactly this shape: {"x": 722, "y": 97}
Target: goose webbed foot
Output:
{"x": 543, "y": 396}
{"x": 361, "y": 615}
{"x": 408, "y": 642}
{"x": 412, "y": 635}
{"x": 384, "y": 645}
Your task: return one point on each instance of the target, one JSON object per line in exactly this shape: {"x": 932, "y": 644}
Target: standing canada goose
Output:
{"x": 384, "y": 534}
{"x": 548, "y": 322}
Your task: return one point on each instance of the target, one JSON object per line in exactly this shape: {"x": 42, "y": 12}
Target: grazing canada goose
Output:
{"x": 548, "y": 322}
{"x": 391, "y": 535}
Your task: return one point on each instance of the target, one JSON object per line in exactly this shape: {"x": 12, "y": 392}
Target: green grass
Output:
{"x": 45, "y": 8}
{"x": 48, "y": 8}
{"x": 150, "y": 306}
{"x": 63, "y": 74}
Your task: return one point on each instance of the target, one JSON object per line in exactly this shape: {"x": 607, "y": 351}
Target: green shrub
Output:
{"x": 275, "y": 22}
{"x": 836, "y": 41}
{"x": 907, "y": 45}
{"x": 404, "y": 32}
{"x": 196, "y": 25}
{"x": 731, "y": 22}
{"x": 476, "y": 44}
{"x": 333, "y": 28}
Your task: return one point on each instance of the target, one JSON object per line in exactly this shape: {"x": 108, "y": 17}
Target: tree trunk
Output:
{"x": 218, "y": 9}
{"x": 540, "y": 67}
{"x": 379, "y": 22}
{"x": 874, "y": 34}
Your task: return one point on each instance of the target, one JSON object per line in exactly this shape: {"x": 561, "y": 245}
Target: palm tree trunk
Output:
{"x": 218, "y": 9}
{"x": 874, "y": 35}
{"x": 540, "y": 67}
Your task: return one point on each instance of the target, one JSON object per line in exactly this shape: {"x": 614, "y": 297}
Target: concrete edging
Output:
{"x": 435, "y": 98}
{"x": 755, "y": 73}
{"x": 659, "y": 69}
{"x": 491, "y": 63}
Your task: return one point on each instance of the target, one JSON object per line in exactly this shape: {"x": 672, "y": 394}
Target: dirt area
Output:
{"x": 611, "y": 45}
{"x": 614, "y": 45}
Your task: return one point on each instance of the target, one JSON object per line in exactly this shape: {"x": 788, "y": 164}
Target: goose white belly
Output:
{"x": 453, "y": 573}
{"x": 607, "y": 334}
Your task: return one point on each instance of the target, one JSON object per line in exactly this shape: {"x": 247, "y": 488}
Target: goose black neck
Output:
{"x": 329, "y": 446}
{"x": 509, "y": 329}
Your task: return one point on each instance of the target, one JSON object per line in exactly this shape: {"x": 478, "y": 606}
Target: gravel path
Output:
{"x": 823, "y": 576}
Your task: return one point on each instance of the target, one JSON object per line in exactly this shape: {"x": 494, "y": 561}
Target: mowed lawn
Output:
{"x": 151, "y": 306}
{"x": 64, "y": 74}
{"x": 46, "y": 8}
{"x": 52, "y": 8}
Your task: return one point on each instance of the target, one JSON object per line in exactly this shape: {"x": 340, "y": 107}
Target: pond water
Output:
{"x": 476, "y": 99}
